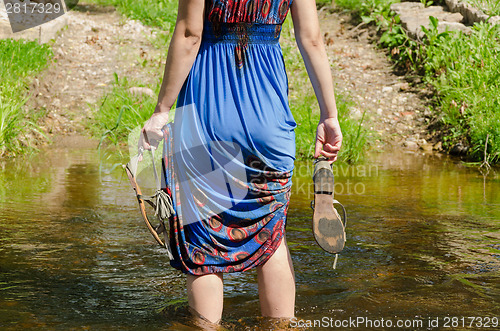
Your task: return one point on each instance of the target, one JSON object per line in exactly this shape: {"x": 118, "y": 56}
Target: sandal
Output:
{"x": 160, "y": 202}
{"x": 328, "y": 226}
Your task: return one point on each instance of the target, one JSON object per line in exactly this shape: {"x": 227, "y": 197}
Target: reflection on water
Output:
{"x": 423, "y": 242}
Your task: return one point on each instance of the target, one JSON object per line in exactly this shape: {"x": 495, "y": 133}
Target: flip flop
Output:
{"x": 328, "y": 226}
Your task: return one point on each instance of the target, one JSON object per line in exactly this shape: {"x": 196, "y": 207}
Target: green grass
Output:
{"x": 322, "y": 3}
{"x": 120, "y": 112}
{"x": 368, "y": 8}
{"x": 305, "y": 108}
{"x": 463, "y": 70}
{"x": 158, "y": 13}
{"x": 303, "y": 102}
{"x": 19, "y": 62}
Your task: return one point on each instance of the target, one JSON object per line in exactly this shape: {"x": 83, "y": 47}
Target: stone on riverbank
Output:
{"x": 44, "y": 33}
{"x": 414, "y": 15}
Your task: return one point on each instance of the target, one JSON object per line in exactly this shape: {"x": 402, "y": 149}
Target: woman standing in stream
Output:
{"x": 225, "y": 68}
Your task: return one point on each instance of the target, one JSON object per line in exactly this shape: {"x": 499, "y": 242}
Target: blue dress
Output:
{"x": 229, "y": 154}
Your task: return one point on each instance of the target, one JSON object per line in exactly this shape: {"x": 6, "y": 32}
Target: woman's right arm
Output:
{"x": 312, "y": 49}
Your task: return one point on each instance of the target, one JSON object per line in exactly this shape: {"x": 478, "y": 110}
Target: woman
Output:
{"x": 226, "y": 70}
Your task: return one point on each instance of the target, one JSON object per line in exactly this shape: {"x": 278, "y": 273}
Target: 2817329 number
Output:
{"x": 33, "y": 8}
{"x": 471, "y": 322}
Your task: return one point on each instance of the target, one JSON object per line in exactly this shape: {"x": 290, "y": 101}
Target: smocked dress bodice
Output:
{"x": 247, "y": 11}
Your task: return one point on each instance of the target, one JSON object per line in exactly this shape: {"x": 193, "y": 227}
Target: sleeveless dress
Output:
{"x": 229, "y": 154}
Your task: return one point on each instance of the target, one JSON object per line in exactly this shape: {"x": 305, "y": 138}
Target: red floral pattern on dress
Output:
{"x": 247, "y": 11}
{"x": 265, "y": 231}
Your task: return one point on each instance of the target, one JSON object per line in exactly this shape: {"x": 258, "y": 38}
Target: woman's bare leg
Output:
{"x": 277, "y": 284}
{"x": 205, "y": 295}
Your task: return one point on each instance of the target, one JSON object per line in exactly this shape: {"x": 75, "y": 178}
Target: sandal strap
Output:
{"x": 321, "y": 164}
{"x": 323, "y": 192}
{"x": 344, "y": 213}
{"x": 334, "y": 266}
{"x": 344, "y": 217}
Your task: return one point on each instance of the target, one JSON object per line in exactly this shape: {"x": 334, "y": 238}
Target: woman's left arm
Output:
{"x": 182, "y": 52}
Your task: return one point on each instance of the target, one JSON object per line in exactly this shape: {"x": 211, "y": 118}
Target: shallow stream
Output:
{"x": 423, "y": 245}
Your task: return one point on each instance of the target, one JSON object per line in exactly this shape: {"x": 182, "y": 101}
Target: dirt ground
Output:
{"x": 395, "y": 110}
{"x": 98, "y": 42}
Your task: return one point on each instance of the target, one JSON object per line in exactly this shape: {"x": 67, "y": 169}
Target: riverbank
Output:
{"x": 19, "y": 62}
{"x": 459, "y": 69}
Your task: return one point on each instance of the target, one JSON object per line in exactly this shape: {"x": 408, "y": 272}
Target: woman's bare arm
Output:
{"x": 312, "y": 49}
{"x": 182, "y": 52}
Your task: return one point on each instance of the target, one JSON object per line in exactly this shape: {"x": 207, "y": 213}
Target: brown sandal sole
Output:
{"x": 328, "y": 228}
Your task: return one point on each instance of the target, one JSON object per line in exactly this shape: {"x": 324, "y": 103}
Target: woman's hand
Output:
{"x": 152, "y": 133}
{"x": 328, "y": 139}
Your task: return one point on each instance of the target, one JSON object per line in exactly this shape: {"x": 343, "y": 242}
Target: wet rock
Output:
{"x": 459, "y": 149}
{"x": 426, "y": 147}
{"x": 410, "y": 145}
{"x": 438, "y": 146}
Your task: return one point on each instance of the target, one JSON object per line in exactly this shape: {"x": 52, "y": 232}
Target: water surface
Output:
{"x": 423, "y": 243}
